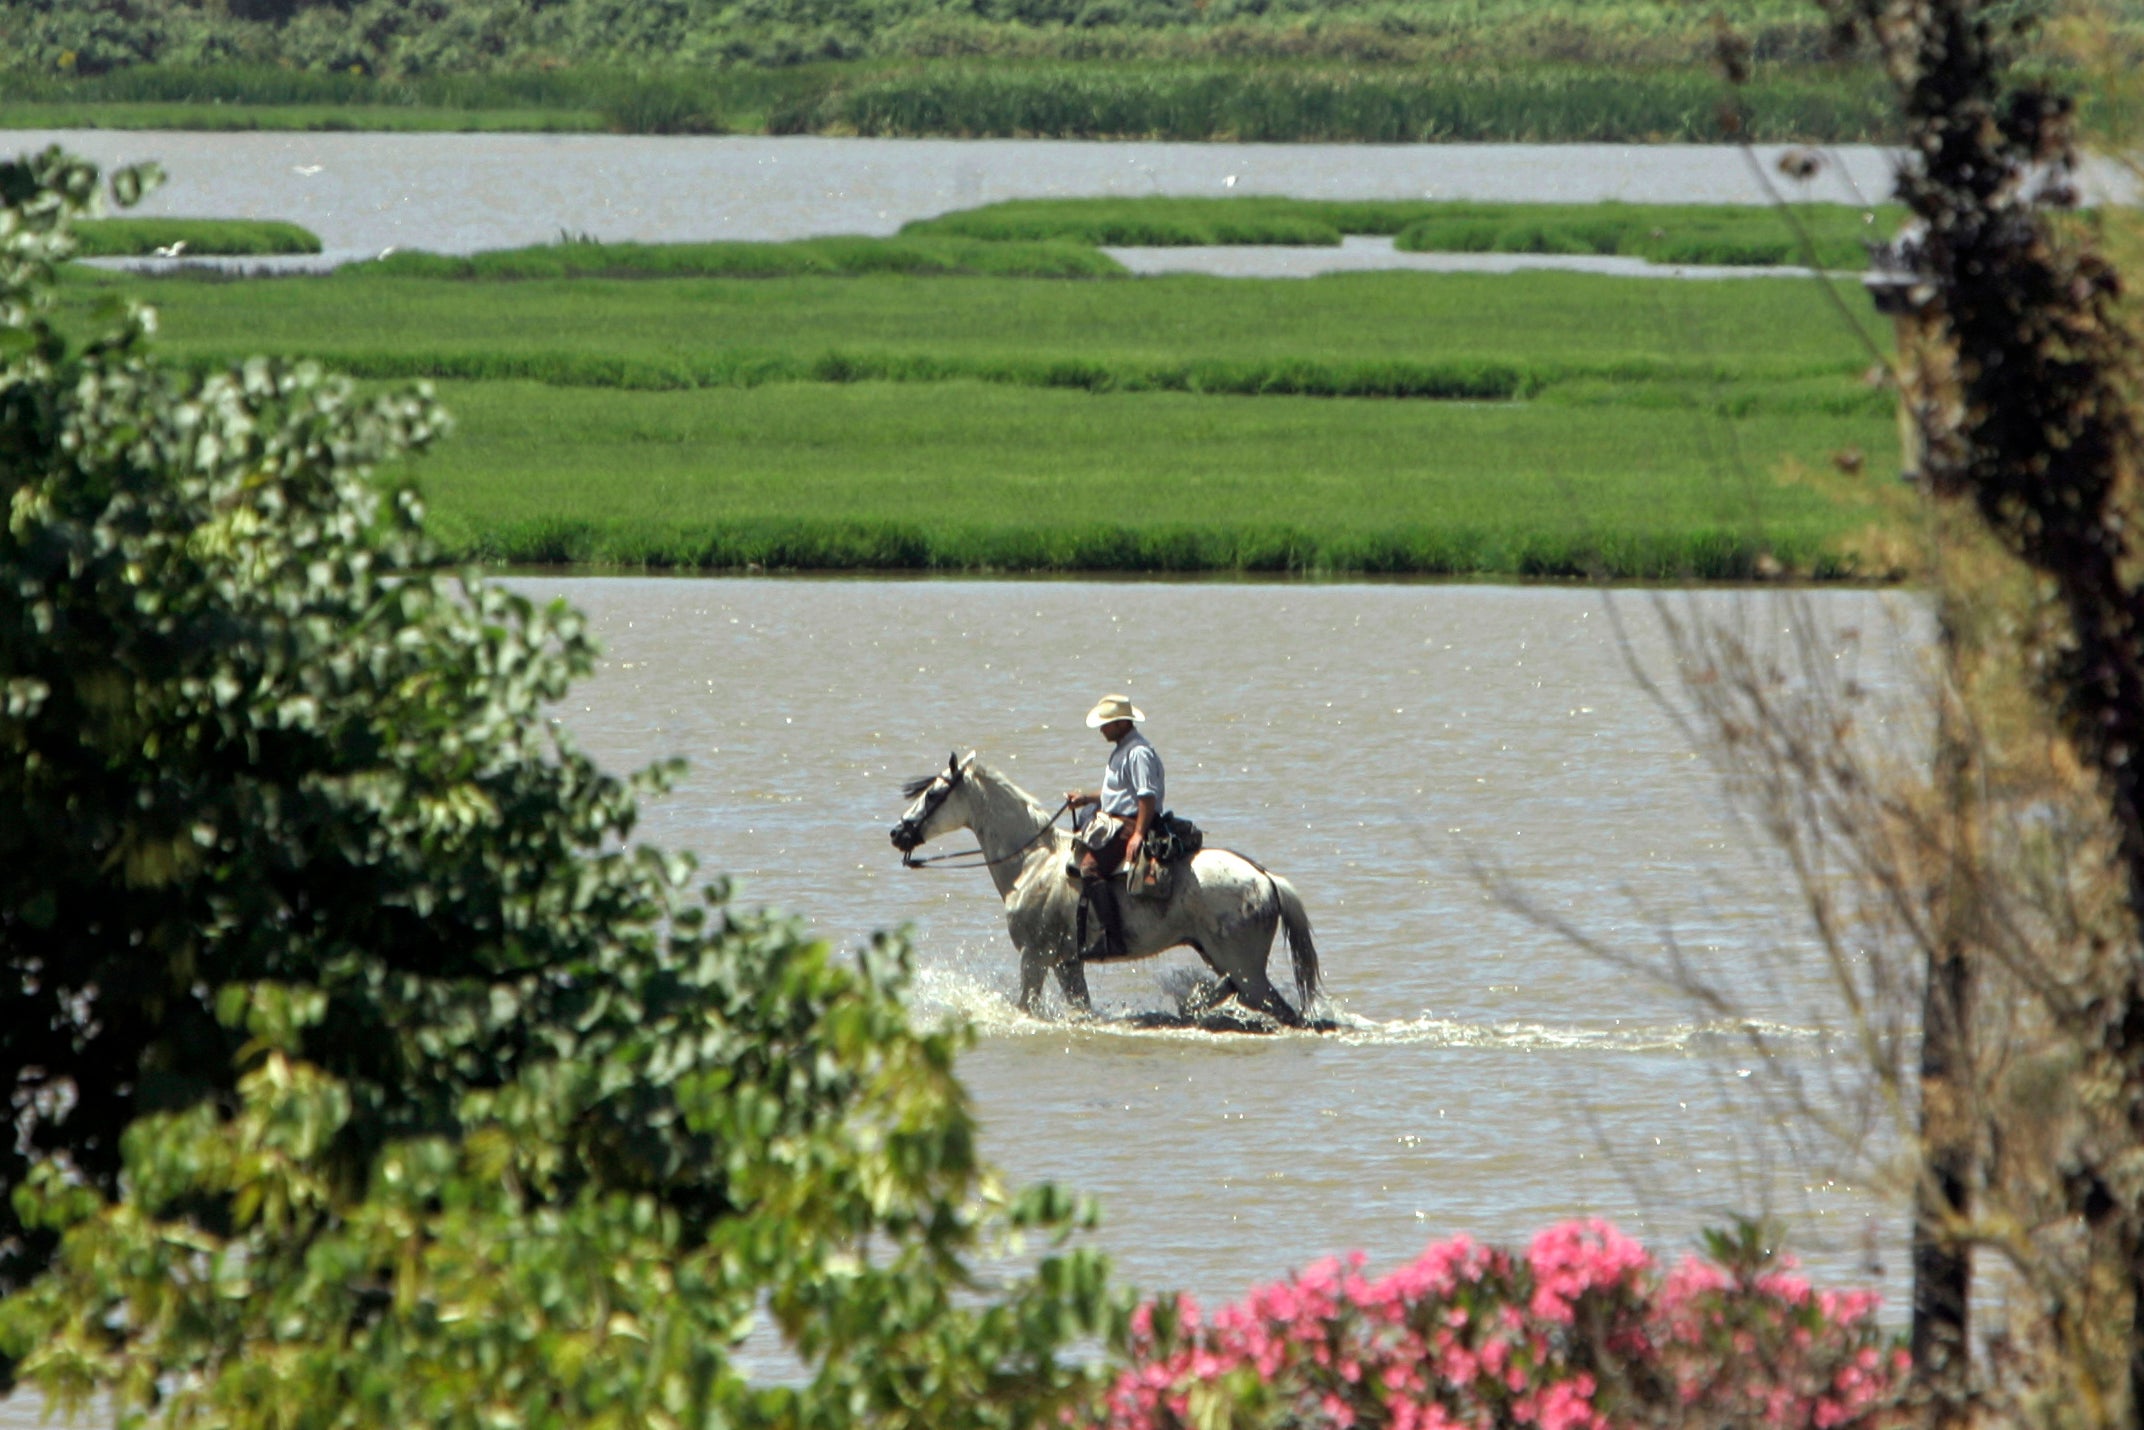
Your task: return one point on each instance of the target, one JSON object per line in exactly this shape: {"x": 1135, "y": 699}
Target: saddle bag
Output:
{"x": 1150, "y": 878}
{"x": 1174, "y": 839}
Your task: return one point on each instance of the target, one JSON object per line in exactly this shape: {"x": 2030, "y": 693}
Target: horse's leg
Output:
{"x": 1240, "y": 958}
{"x": 1255, "y": 990}
{"x": 1037, "y": 964}
{"x": 1034, "y": 967}
{"x": 1072, "y": 981}
{"x": 1040, "y": 922}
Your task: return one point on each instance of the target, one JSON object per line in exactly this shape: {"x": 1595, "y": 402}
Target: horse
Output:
{"x": 1222, "y": 905}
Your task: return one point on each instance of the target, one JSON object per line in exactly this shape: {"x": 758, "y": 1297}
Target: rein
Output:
{"x": 910, "y": 861}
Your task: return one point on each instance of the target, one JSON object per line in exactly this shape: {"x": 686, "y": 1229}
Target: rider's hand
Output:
{"x": 1075, "y": 798}
{"x": 1131, "y": 848}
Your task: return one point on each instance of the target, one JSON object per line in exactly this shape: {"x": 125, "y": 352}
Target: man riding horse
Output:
{"x": 1114, "y": 821}
{"x": 1224, "y": 906}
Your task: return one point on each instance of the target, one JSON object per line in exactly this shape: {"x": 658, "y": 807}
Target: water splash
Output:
{"x": 1427, "y": 1030}
{"x": 959, "y": 991}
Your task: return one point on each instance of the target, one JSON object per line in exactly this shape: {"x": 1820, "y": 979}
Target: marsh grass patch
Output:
{"x": 202, "y": 237}
{"x": 1827, "y": 235}
{"x": 965, "y": 477}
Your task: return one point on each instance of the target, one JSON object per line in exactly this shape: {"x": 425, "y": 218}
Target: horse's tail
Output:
{"x": 1301, "y": 950}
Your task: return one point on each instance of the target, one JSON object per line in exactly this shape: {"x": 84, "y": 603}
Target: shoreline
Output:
{"x": 598, "y": 571}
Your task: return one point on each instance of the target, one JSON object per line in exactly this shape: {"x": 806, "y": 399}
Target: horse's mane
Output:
{"x": 1000, "y": 776}
{"x": 911, "y": 788}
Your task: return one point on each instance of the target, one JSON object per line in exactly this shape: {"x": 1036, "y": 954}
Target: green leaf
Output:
{"x": 410, "y": 1089}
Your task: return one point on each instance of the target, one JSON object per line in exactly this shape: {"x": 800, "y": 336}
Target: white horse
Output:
{"x": 1219, "y": 903}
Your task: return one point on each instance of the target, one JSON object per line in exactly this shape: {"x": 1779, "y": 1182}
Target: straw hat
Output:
{"x": 1114, "y": 707}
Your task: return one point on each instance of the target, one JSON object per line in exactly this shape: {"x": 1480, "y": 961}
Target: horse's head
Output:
{"x": 937, "y": 806}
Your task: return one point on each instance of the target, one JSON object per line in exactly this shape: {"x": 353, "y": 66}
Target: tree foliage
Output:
{"x": 409, "y": 38}
{"x": 1978, "y": 898}
{"x": 364, "y": 1071}
{"x": 2034, "y": 436}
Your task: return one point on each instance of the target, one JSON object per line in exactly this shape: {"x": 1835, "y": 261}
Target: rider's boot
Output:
{"x": 1109, "y": 941}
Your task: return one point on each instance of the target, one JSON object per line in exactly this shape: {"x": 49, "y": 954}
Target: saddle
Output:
{"x": 1171, "y": 841}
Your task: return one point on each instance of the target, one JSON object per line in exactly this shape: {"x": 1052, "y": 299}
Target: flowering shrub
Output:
{"x": 1582, "y": 1332}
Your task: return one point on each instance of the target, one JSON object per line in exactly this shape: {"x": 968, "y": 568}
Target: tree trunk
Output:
{"x": 1949, "y": 1124}
{"x": 1943, "y": 1192}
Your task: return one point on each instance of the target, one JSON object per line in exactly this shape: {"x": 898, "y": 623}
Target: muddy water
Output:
{"x": 463, "y": 192}
{"x": 1378, "y": 745}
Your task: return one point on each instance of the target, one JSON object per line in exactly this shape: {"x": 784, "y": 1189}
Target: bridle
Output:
{"x": 910, "y": 861}
{"x": 935, "y": 794}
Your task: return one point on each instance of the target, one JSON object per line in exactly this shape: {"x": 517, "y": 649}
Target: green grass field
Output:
{"x": 1370, "y": 334}
{"x": 1377, "y": 70}
{"x": 1833, "y": 235}
{"x": 1481, "y": 94}
{"x": 1478, "y": 103}
{"x": 965, "y": 476}
{"x": 933, "y": 256}
{"x": 1056, "y": 238}
{"x": 570, "y": 52}
{"x": 311, "y": 96}
{"x": 141, "y": 237}
{"x": 299, "y": 118}
{"x": 1627, "y": 428}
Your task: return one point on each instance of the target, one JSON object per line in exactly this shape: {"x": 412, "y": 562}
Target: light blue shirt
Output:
{"x": 1134, "y": 770}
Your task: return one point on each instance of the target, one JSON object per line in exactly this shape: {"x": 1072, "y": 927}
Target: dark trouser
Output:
{"x": 1101, "y": 863}
{"x": 1095, "y": 891}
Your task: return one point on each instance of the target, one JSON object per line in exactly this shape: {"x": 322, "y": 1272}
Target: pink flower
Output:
{"x": 1568, "y": 1405}
{"x": 1569, "y": 1260}
{"x": 1847, "y": 1306}
{"x": 1692, "y": 1278}
{"x": 1791, "y": 1289}
{"x": 1466, "y": 1336}
{"x": 1441, "y": 1267}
